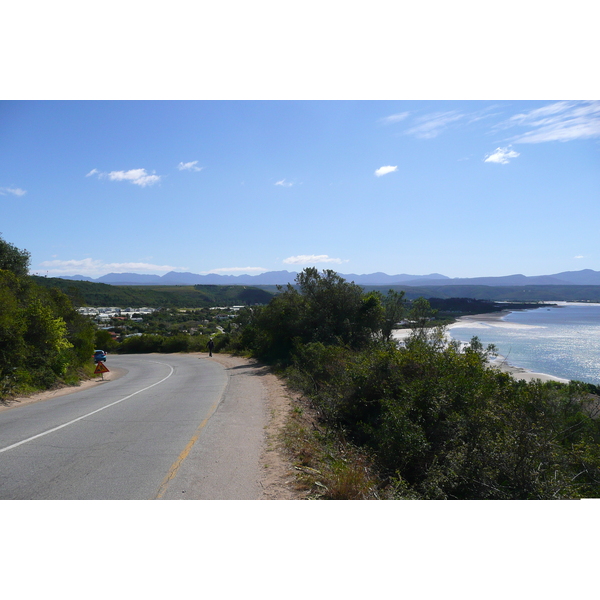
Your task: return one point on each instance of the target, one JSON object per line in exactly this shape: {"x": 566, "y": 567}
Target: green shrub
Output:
{"x": 104, "y": 341}
{"x": 141, "y": 344}
{"x": 438, "y": 420}
{"x": 176, "y": 343}
{"x": 43, "y": 339}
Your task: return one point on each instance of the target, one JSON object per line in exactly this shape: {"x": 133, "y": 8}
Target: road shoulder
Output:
{"x": 240, "y": 453}
{"x": 277, "y": 475}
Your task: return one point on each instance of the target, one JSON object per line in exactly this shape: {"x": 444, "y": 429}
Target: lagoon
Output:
{"x": 562, "y": 340}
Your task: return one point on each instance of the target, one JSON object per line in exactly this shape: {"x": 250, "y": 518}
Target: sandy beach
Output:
{"x": 499, "y": 362}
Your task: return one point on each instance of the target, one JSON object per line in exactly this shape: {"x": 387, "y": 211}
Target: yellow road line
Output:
{"x": 175, "y": 467}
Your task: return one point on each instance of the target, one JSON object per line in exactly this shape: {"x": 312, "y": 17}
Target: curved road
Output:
{"x": 175, "y": 426}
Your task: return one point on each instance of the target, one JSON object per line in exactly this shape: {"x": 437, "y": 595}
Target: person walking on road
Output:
{"x": 211, "y": 345}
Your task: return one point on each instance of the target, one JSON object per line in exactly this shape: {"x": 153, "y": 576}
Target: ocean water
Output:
{"x": 563, "y": 340}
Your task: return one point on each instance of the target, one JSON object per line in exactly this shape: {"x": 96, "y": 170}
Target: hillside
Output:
{"x": 583, "y": 277}
{"x": 522, "y": 293}
{"x": 87, "y": 293}
{"x": 199, "y": 296}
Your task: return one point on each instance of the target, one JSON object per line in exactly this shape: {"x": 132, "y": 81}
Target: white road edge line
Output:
{"x": 88, "y": 414}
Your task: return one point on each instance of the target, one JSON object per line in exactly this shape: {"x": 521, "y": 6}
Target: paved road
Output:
{"x": 174, "y": 426}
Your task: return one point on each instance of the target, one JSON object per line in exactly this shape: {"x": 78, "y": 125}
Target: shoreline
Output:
{"x": 500, "y": 361}
{"x": 521, "y": 373}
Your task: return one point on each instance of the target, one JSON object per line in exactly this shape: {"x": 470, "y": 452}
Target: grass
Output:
{"x": 327, "y": 466}
{"x": 73, "y": 377}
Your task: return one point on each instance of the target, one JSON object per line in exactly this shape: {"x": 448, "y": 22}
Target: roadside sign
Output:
{"x": 101, "y": 368}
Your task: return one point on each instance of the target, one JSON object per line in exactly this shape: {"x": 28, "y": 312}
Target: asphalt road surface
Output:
{"x": 175, "y": 426}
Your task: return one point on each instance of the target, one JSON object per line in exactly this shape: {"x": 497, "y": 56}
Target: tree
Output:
{"x": 420, "y": 314}
{"x": 104, "y": 340}
{"x": 394, "y": 307}
{"x": 338, "y": 312}
{"x": 12, "y": 327}
{"x": 13, "y": 259}
{"x": 324, "y": 308}
{"x": 46, "y": 338}
{"x": 42, "y": 337}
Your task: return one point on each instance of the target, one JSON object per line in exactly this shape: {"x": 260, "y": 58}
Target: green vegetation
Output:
{"x": 322, "y": 308}
{"x": 526, "y": 293}
{"x": 447, "y": 310}
{"x": 87, "y": 293}
{"x": 184, "y": 321}
{"x": 173, "y": 330}
{"x": 12, "y": 259}
{"x": 426, "y": 420}
{"x": 43, "y": 340}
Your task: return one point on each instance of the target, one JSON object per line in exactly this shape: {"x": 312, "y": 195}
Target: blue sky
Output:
{"x": 462, "y": 188}
{"x": 245, "y": 138}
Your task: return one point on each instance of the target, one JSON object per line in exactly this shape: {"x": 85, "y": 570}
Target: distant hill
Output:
{"x": 584, "y": 277}
{"x": 200, "y": 295}
{"x": 177, "y": 278}
{"x": 92, "y": 293}
{"x": 508, "y": 280}
{"x": 503, "y": 293}
{"x": 383, "y": 279}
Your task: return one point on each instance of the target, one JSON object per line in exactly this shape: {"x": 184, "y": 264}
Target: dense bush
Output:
{"x": 43, "y": 339}
{"x": 181, "y": 342}
{"x": 442, "y": 424}
{"x": 323, "y": 308}
{"x": 436, "y": 420}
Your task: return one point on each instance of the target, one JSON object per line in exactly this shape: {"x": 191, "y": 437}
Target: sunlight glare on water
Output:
{"x": 562, "y": 340}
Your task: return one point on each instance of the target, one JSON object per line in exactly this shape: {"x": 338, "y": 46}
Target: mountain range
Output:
{"x": 584, "y": 277}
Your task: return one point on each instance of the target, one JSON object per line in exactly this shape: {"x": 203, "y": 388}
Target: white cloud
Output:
{"x": 95, "y": 268}
{"x": 560, "y": 121}
{"x": 284, "y": 183}
{"x": 131, "y": 175}
{"x": 309, "y": 259}
{"x": 136, "y": 176}
{"x": 433, "y": 124}
{"x": 579, "y": 256}
{"x": 501, "y": 156}
{"x": 14, "y": 191}
{"x": 385, "y": 170}
{"x": 146, "y": 180}
{"x": 394, "y": 118}
{"x": 190, "y": 166}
